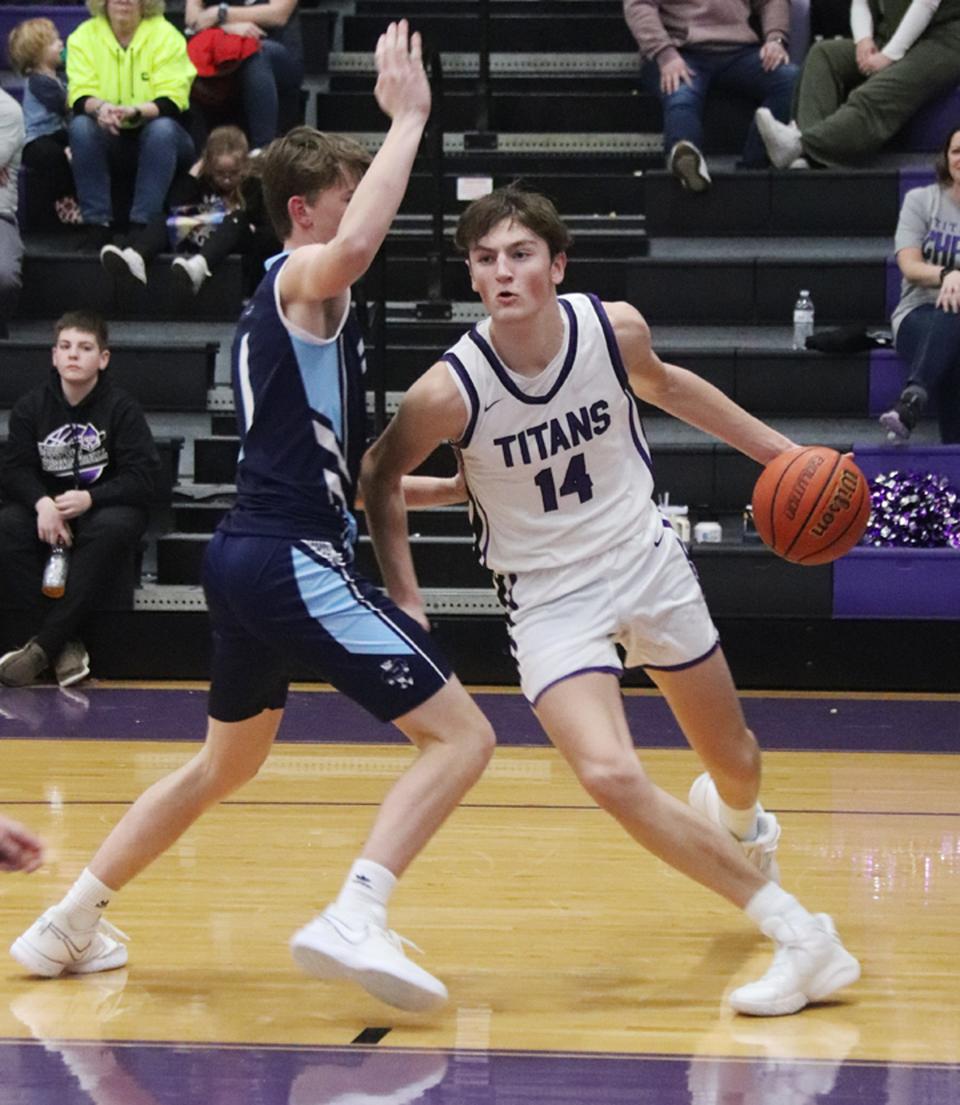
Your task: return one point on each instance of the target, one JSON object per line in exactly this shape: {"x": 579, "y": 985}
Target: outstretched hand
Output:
{"x": 402, "y": 87}
{"x": 20, "y": 850}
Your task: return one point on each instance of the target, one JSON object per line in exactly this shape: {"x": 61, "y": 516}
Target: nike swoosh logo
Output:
{"x": 660, "y": 538}
{"x": 350, "y": 935}
{"x": 493, "y": 404}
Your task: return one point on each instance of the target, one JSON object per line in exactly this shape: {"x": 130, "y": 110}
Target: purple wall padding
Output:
{"x": 943, "y": 459}
{"x": 927, "y": 130}
{"x": 897, "y": 583}
{"x": 915, "y": 178}
{"x": 65, "y": 18}
{"x": 887, "y": 376}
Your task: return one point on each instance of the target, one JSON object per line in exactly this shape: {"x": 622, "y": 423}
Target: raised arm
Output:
{"x": 431, "y": 412}
{"x": 320, "y": 272}
{"x": 685, "y": 395}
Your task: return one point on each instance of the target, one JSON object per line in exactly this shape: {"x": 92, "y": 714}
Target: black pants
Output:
{"x": 50, "y": 179}
{"x": 102, "y": 539}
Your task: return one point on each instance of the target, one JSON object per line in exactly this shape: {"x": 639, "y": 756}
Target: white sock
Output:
{"x": 773, "y": 901}
{"x": 86, "y": 900}
{"x": 742, "y": 823}
{"x": 365, "y": 893}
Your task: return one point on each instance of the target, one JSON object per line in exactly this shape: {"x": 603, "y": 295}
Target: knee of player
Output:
{"x": 481, "y": 741}
{"x": 613, "y": 781}
{"x": 223, "y": 774}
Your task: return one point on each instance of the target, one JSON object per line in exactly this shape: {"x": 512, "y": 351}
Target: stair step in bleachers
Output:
{"x": 175, "y": 377}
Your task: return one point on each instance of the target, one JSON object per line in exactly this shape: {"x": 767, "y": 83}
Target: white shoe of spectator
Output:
{"x": 689, "y": 166}
{"x": 190, "y": 272}
{"x": 123, "y": 262}
{"x": 782, "y": 140}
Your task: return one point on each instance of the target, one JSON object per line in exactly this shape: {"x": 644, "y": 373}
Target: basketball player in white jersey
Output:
{"x": 539, "y": 399}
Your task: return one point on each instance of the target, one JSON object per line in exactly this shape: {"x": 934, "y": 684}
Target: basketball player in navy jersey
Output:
{"x": 539, "y": 399}
{"x": 279, "y": 577}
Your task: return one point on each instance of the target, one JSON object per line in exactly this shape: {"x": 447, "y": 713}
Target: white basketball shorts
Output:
{"x": 642, "y": 594}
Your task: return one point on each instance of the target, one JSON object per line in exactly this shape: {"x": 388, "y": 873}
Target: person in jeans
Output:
{"x": 926, "y": 321}
{"x": 11, "y": 244}
{"x": 128, "y": 82}
{"x": 693, "y": 49}
{"x": 270, "y": 79}
{"x": 854, "y": 94}
{"x": 78, "y": 470}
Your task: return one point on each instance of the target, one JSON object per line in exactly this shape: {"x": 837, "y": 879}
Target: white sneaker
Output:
{"x": 782, "y": 140}
{"x": 190, "y": 272}
{"x": 372, "y": 957}
{"x": 123, "y": 262}
{"x": 761, "y": 851}
{"x": 689, "y": 166}
{"x": 809, "y": 965}
{"x": 51, "y": 947}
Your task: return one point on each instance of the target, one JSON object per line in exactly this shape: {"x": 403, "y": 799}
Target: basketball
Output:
{"x": 811, "y": 505}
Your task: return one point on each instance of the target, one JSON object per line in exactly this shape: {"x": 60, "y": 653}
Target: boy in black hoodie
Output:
{"x": 78, "y": 471}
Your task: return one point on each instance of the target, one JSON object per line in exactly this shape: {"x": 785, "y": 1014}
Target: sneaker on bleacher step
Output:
{"x": 23, "y": 666}
{"x": 689, "y": 166}
{"x": 190, "y": 272}
{"x": 123, "y": 263}
{"x": 901, "y": 420}
{"x": 72, "y": 664}
{"x": 761, "y": 851}
{"x": 330, "y": 948}
{"x": 782, "y": 140}
{"x": 809, "y": 965}
{"x": 51, "y": 947}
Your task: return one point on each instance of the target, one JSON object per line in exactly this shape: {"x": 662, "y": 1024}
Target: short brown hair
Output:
{"x": 27, "y": 41}
{"x": 531, "y": 209}
{"x": 941, "y": 165}
{"x": 87, "y": 321}
{"x": 305, "y": 162}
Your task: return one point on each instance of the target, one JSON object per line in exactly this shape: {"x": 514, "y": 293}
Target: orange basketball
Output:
{"x": 811, "y": 505}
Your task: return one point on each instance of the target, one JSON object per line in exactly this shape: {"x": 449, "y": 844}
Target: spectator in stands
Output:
{"x": 216, "y": 209}
{"x": 128, "y": 79}
{"x": 926, "y": 321}
{"x": 855, "y": 94}
{"x": 269, "y": 79}
{"x": 20, "y": 850}
{"x": 36, "y": 50}
{"x": 78, "y": 471}
{"x": 11, "y": 245}
{"x": 690, "y": 51}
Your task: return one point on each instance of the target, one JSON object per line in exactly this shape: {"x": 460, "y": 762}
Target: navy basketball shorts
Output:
{"x": 282, "y": 609}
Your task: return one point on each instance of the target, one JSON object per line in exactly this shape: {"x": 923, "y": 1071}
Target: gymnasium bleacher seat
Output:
{"x": 716, "y": 276}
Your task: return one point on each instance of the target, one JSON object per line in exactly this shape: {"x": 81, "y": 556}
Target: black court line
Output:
{"x": 484, "y": 806}
{"x": 370, "y": 1036}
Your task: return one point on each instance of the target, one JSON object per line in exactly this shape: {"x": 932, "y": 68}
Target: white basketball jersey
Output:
{"x": 557, "y": 466}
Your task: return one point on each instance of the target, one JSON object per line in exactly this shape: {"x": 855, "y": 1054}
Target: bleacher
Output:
{"x": 715, "y": 275}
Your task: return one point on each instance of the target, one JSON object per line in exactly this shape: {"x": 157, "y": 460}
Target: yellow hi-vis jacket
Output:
{"x": 154, "y": 65}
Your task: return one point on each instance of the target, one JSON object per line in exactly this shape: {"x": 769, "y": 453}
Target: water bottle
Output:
{"x": 802, "y": 320}
{"x": 55, "y": 572}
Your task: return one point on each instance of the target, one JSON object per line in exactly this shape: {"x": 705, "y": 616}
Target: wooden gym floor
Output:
{"x": 580, "y": 970}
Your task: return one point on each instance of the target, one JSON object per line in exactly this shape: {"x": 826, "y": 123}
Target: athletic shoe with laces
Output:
{"x": 761, "y": 851}
{"x": 689, "y": 166}
{"x": 372, "y": 957}
{"x": 901, "y": 420}
{"x": 23, "y": 666}
{"x": 781, "y": 140}
{"x": 72, "y": 664}
{"x": 123, "y": 263}
{"x": 52, "y": 947}
{"x": 190, "y": 272}
{"x": 809, "y": 965}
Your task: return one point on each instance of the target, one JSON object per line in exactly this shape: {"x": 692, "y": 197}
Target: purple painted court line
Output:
{"x": 168, "y": 1074}
{"x": 829, "y": 724}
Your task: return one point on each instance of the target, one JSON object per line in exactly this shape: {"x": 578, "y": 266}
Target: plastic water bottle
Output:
{"x": 55, "y": 572}
{"x": 802, "y": 320}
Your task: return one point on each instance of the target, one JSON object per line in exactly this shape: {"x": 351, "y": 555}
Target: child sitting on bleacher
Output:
{"x": 36, "y": 52}
{"x": 216, "y": 209}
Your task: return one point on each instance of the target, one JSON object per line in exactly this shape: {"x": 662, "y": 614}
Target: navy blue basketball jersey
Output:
{"x": 301, "y": 416}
